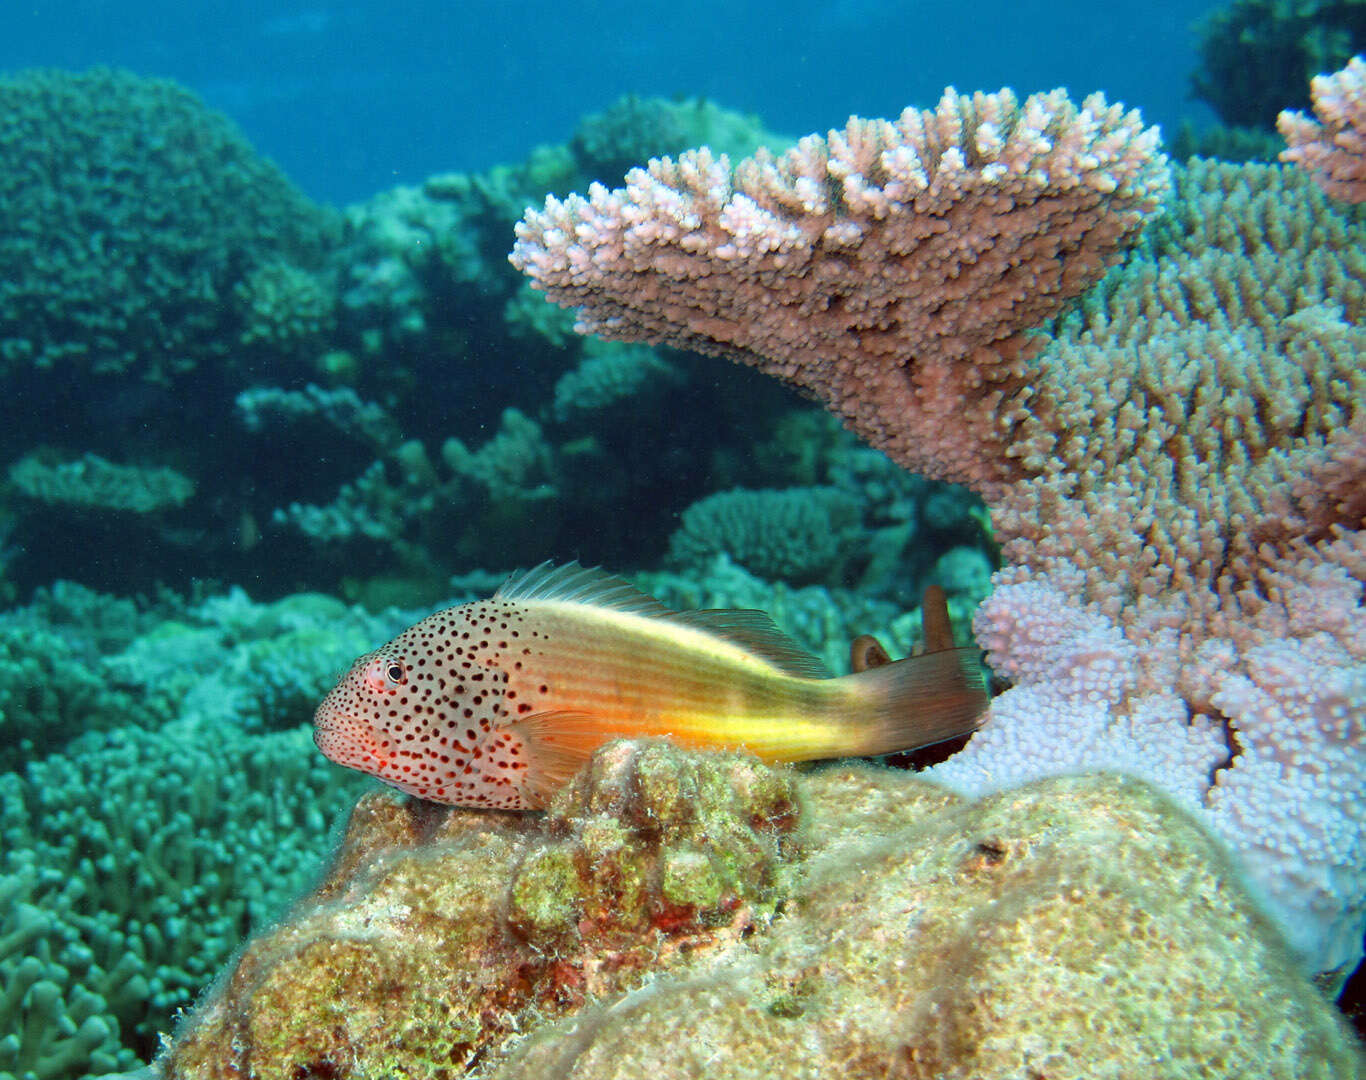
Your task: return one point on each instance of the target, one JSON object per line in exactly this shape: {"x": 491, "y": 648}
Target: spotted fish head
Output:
{"x": 349, "y": 725}
{"x": 424, "y": 713}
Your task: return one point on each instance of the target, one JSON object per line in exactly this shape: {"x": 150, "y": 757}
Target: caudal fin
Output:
{"x": 923, "y": 699}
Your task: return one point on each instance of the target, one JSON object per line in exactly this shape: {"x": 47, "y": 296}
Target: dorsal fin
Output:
{"x": 575, "y": 584}
{"x": 752, "y": 631}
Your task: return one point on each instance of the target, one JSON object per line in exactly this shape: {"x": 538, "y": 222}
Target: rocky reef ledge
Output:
{"x": 687, "y": 915}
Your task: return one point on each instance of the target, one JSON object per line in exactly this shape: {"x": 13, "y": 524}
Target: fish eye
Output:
{"x": 383, "y": 675}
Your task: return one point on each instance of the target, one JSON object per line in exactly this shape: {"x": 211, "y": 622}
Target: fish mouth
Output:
{"x": 344, "y": 739}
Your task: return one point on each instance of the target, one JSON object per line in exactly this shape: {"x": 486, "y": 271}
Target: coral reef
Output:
{"x": 681, "y": 915}
{"x": 118, "y": 251}
{"x": 608, "y": 144}
{"x": 318, "y": 340}
{"x": 1334, "y": 148}
{"x": 415, "y": 256}
{"x": 1174, "y": 476}
{"x": 611, "y": 376}
{"x": 1238, "y": 144}
{"x": 52, "y": 689}
{"x": 338, "y": 411}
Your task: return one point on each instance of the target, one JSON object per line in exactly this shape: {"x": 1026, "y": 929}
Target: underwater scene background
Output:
{"x": 274, "y": 392}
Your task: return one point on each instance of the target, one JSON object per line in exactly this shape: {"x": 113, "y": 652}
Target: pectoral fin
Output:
{"x": 557, "y": 744}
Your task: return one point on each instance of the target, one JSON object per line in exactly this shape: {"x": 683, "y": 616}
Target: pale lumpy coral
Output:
{"x": 685, "y": 915}
{"x": 439, "y": 934}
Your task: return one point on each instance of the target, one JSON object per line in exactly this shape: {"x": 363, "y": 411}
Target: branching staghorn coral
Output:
{"x": 134, "y": 859}
{"x": 1175, "y": 477}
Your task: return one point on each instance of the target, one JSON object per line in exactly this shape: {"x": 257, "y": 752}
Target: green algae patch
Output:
{"x": 546, "y": 894}
{"x": 689, "y": 880}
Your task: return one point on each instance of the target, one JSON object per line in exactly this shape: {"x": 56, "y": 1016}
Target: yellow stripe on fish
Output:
{"x": 497, "y": 703}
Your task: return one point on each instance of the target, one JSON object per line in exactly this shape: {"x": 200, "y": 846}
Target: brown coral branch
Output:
{"x": 893, "y": 270}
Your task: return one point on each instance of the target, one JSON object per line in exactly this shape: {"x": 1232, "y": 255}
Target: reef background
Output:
{"x": 273, "y": 392}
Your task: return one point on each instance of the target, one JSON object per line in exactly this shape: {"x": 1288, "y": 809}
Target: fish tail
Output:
{"x": 921, "y": 700}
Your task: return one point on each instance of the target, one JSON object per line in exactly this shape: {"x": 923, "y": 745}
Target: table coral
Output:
{"x": 1333, "y": 148}
{"x": 687, "y": 915}
{"x": 92, "y": 483}
{"x": 892, "y": 269}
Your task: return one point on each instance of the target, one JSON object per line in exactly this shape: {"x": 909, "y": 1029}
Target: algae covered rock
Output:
{"x": 439, "y": 933}
{"x": 684, "y": 915}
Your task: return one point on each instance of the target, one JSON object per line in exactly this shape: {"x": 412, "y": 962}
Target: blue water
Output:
{"x": 354, "y": 97}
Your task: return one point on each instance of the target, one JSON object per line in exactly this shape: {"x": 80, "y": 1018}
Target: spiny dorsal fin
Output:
{"x": 575, "y": 584}
{"x": 752, "y": 631}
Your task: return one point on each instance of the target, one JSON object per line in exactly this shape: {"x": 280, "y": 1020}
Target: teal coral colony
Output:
{"x": 1087, "y": 417}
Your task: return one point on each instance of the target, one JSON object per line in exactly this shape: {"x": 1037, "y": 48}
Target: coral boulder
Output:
{"x": 689, "y": 915}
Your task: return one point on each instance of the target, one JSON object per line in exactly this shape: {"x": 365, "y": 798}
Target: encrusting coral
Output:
{"x": 437, "y": 934}
{"x": 1174, "y": 476}
{"x": 685, "y": 915}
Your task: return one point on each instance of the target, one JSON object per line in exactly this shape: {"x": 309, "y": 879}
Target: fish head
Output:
{"x": 363, "y": 723}
{"x": 421, "y": 712}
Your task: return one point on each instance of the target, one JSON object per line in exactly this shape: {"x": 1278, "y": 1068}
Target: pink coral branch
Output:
{"x": 1334, "y": 148}
{"x": 891, "y": 269}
